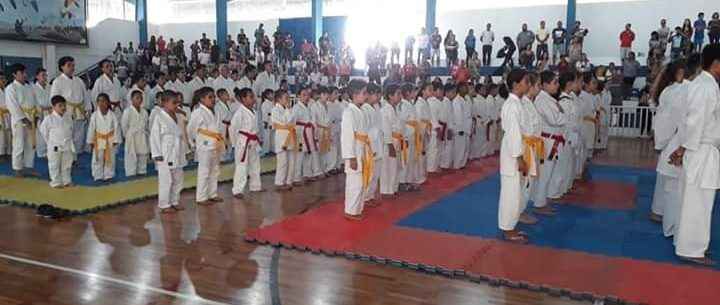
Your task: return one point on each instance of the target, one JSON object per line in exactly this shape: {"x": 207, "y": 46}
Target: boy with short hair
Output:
{"x": 102, "y": 136}
{"x": 356, "y": 151}
{"x": 56, "y": 129}
{"x": 73, "y": 90}
{"x": 205, "y": 132}
{"x": 168, "y": 152}
{"x": 20, "y": 101}
{"x": 394, "y": 146}
{"x": 134, "y": 126}
{"x": 244, "y": 137}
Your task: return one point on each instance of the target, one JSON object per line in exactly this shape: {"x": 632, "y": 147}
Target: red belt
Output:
{"x": 557, "y": 140}
{"x": 306, "y": 125}
{"x": 250, "y": 137}
{"x": 443, "y": 130}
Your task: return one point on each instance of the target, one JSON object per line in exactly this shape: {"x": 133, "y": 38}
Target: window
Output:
{"x": 99, "y": 10}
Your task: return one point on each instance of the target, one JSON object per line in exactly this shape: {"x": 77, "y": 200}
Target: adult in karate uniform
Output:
{"x": 109, "y": 84}
{"x": 134, "y": 124}
{"x": 223, "y": 81}
{"x": 244, "y": 135}
{"x": 205, "y": 132}
{"x": 356, "y": 151}
{"x": 700, "y": 160}
{"x": 168, "y": 152}
{"x": 265, "y": 79}
{"x": 78, "y": 106}
{"x": 286, "y": 141}
{"x": 668, "y": 131}
{"x": 394, "y": 145}
{"x": 553, "y": 120}
{"x": 513, "y": 168}
{"x": 306, "y": 136}
{"x": 20, "y": 101}
{"x": 103, "y": 137}
{"x": 41, "y": 91}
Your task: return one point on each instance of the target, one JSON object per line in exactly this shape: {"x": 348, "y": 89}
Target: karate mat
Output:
{"x": 88, "y": 196}
{"x": 601, "y": 244}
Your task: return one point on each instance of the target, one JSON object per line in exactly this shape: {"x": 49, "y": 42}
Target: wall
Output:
{"x": 102, "y": 37}
{"x": 604, "y": 19}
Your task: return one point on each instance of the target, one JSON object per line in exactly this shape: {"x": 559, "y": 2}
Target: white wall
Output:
{"x": 102, "y": 39}
{"x": 604, "y": 19}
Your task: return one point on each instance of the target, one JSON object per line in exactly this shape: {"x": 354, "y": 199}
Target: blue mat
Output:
{"x": 473, "y": 211}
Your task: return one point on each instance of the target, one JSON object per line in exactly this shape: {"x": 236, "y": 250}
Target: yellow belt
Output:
{"x": 218, "y": 137}
{"x": 403, "y": 146}
{"x": 291, "y": 138}
{"x": 78, "y": 110}
{"x": 31, "y": 113}
{"x": 368, "y": 160}
{"x": 428, "y": 125}
{"x": 418, "y": 137}
{"x": 533, "y": 145}
{"x": 107, "y": 154}
{"x": 325, "y": 139}
{"x": 3, "y": 112}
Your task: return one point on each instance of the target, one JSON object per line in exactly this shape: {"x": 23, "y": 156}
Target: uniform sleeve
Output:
{"x": 96, "y": 90}
{"x": 13, "y": 105}
{"x": 698, "y": 106}
{"x": 386, "y": 122}
{"x": 235, "y": 127}
{"x": 192, "y": 128}
{"x": 45, "y": 129}
{"x": 155, "y": 140}
{"x": 347, "y": 136}
{"x": 663, "y": 125}
{"x": 91, "y": 130}
{"x": 511, "y": 125}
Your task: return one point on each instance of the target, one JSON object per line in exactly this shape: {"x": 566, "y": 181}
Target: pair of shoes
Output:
{"x": 52, "y": 212}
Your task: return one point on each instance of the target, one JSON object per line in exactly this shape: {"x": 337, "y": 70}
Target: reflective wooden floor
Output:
{"x": 134, "y": 255}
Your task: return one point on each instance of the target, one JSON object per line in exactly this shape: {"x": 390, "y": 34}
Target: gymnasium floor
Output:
{"x": 133, "y": 255}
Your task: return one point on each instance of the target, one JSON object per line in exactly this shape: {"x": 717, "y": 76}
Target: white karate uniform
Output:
{"x": 316, "y": 165}
{"x": 588, "y": 130}
{"x": 374, "y": 130}
{"x": 78, "y": 106}
{"x": 353, "y": 125}
{"x": 5, "y": 129}
{"x": 335, "y": 111}
{"x": 511, "y": 180}
{"x": 392, "y": 134}
{"x": 553, "y": 124}
{"x": 461, "y": 132}
{"x": 478, "y": 118}
{"x": 224, "y": 83}
{"x": 701, "y": 166}
{"x": 422, "y": 110}
{"x": 407, "y": 115}
{"x": 111, "y": 87}
{"x": 223, "y": 111}
{"x": 267, "y": 132}
{"x": 152, "y": 96}
{"x": 166, "y": 142}
{"x": 147, "y": 103}
{"x": 531, "y": 126}
{"x": 20, "y": 101}
{"x": 245, "y": 82}
{"x": 209, "y": 148}
{"x": 244, "y": 135}
{"x": 195, "y": 84}
{"x": 470, "y": 125}
{"x": 104, "y": 134}
{"x": 324, "y": 135}
{"x": 58, "y": 134}
{"x": 306, "y": 138}
{"x": 664, "y": 128}
{"x": 565, "y": 166}
{"x": 43, "y": 103}
{"x": 134, "y": 123}
{"x": 605, "y": 117}
{"x": 284, "y": 149}
{"x": 432, "y": 151}
{"x": 264, "y": 81}
{"x": 446, "y": 146}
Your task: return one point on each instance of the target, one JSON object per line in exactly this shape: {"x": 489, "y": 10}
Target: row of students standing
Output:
{"x": 552, "y": 125}
{"x": 686, "y": 129}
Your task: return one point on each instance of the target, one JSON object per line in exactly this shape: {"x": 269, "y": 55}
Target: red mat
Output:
{"x": 560, "y": 272}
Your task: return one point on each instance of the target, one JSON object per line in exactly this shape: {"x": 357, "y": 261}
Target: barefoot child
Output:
{"x": 134, "y": 125}
{"x": 286, "y": 142}
{"x": 244, "y": 137}
{"x": 56, "y": 129}
{"x": 168, "y": 152}
{"x": 103, "y": 135}
{"x": 205, "y": 132}
{"x": 356, "y": 151}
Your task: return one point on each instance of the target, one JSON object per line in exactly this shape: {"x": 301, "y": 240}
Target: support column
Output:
{"x": 570, "y": 19}
{"x": 221, "y": 26}
{"x": 317, "y": 19}
{"x": 141, "y": 18}
{"x": 430, "y": 9}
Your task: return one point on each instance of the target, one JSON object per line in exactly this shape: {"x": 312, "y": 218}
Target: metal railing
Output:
{"x": 631, "y": 121}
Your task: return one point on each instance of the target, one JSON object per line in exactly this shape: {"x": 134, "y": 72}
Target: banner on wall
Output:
{"x": 56, "y": 21}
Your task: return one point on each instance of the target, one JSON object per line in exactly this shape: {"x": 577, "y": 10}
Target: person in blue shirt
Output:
{"x": 700, "y": 25}
{"x": 470, "y": 44}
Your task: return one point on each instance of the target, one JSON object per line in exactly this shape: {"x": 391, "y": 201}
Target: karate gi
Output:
{"x": 511, "y": 180}
{"x": 412, "y": 130}
{"x": 316, "y": 166}
{"x": 78, "y": 106}
{"x": 166, "y": 142}
{"x": 111, "y": 87}
{"x": 461, "y": 132}
{"x": 285, "y": 145}
{"x": 356, "y": 145}
{"x": 324, "y": 126}
{"x": 58, "y": 134}
{"x": 445, "y": 119}
{"x": 104, "y": 134}
{"x": 562, "y": 182}
{"x": 267, "y": 132}
{"x": 605, "y": 117}
{"x": 533, "y": 147}
{"x": 422, "y": 110}
{"x": 373, "y": 125}
{"x": 244, "y": 135}
{"x": 20, "y": 101}
{"x": 245, "y": 82}
{"x": 437, "y": 135}
{"x": 470, "y": 126}
{"x": 223, "y": 112}
{"x": 265, "y": 81}
{"x": 335, "y": 111}
{"x": 195, "y": 84}
{"x": 392, "y": 134}
{"x": 224, "y": 83}
{"x": 205, "y": 132}
{"x": 478, "y": 119}
{"x": 44, "y": 109}
{"x": 5, "y": 129}
{"x": 701, "y": 166}
{"x": 306, "y": 137}
{"x": 588, "y": 129}
{"x": 134, "y": 123}
{"x": 553, "y": 122}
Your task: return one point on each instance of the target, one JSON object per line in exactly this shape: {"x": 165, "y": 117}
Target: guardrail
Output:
{"x": 631, "y": 121}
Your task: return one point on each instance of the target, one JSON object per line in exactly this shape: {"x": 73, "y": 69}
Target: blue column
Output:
{"x": 221, "y": 26}
{"x": 141, "y": 18}
{"x": 431, "y": 7}
{"x": 570, "y": 20}
{"x": 317, "y": 19}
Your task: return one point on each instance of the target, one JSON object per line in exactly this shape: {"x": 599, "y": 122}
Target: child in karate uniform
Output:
{"x": 244, "y": 136}
{"x": 266, "y": 109}
{"x": 56, "y": 129}
{"x": 134, "y": 125}
{"x": 373, "y": 125}
{"x": 103, "y": 135}
{"x": 306, "y": 136}
{"x": 222, "y": 110}
{"x": 356, "y": 151}
{"x": 20, "y": 100}
{"x": 286, "y": 143}
{"x": 394, "y": 147}
{"x": 168, "y": 152}
{"x": 205, "y": 132}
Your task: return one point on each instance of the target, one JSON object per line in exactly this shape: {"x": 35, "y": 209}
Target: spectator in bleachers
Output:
{"x": 525, "y": 38}
{"x": 631, "y": 68}
{"x": 714, "y": 28}
{"x": 626, "y": 39}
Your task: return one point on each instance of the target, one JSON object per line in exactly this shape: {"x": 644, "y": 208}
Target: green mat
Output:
{"x": 91, "y": 199}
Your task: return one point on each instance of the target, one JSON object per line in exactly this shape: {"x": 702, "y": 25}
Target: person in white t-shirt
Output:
{"x": 542, "y": 36}
{"x": 487, "y": 38}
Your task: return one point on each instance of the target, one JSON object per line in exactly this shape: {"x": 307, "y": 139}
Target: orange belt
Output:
{"x": 218, "y": 137}
{"x": 403, "y": 146}
{"x": 32, "y": 113}
{"x": 78, "y": 110}
{"x": 292, "y": 135}
{"x": 533, "y": 145}
{"x": 368, "y": 160}
{"x": 108, "y": 144}
{"x": 418, "y": 137}
{"x": 3, "y": 113}
{"x": 325, "y": 138}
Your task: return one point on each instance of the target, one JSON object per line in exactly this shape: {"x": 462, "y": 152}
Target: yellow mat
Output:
{"x": 88, "y": 199}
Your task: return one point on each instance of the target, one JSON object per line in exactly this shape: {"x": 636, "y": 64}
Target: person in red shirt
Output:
{"x": 161, "y": 45}
{"x": 460, "y": 73}
{"x": 626, "y": 39}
